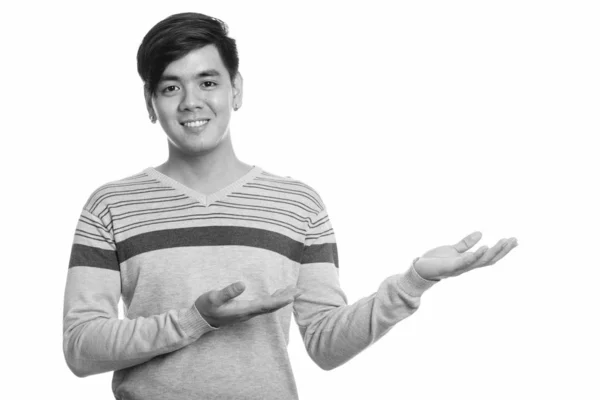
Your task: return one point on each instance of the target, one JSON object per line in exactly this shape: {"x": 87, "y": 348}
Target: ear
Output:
{"x": 149, "y": 106}
{"x": 238, "y": 91}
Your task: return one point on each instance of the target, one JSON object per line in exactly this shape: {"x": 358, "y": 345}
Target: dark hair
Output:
{"x": 175, "y": 36}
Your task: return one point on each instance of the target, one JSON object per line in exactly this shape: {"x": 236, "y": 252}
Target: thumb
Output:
{"x": 229, "y": 292}
{"x": 468, "y": 242}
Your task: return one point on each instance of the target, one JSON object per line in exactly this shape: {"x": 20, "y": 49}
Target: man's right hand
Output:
{"x": 218, "y": 308}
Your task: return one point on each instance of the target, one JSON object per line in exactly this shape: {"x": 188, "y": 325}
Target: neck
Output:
{"x": 210, "y": 169}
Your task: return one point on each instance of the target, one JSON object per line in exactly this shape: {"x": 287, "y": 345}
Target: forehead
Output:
{"x": 198, "y": 60}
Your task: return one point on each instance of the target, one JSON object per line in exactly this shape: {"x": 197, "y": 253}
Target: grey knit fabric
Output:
{"x": 159, "y": 245}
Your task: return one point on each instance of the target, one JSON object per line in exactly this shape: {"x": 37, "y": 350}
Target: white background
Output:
{"x": 417, "y": 123}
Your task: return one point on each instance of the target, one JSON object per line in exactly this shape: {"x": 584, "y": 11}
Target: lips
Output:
{"x": 195, "y": 123}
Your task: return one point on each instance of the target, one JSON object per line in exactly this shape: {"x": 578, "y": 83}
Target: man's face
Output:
{"x": 193, "y": 101}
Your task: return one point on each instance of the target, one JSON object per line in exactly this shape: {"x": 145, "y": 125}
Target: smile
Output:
{"x": 195, "y": 124}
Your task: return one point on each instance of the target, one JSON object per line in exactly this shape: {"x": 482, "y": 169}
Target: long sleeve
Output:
{"x": 95, "y": 340}
{"x": 333, "y": 331}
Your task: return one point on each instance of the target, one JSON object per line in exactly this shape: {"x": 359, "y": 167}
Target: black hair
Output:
{"x": 177, "y": 35}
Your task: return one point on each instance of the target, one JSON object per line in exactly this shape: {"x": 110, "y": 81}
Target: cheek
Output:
{"x": 220, "y": 102}
{"x": 165, "y": 107}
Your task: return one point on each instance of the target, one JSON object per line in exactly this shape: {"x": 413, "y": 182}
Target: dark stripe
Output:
{"x": 210, "y": 236}
{"x": 87, "y": 256}
{"x": 325, "y": 252}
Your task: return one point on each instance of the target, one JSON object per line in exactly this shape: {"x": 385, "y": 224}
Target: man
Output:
{"x": 211, "y": 255}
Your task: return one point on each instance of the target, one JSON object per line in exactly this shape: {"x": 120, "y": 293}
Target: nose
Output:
{"x": 192, "y": 99}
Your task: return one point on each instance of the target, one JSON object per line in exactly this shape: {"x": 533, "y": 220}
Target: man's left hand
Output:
{"x": 453, "y": 260}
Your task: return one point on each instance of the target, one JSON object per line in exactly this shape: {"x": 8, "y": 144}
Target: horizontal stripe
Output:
{"x": 272, "y": 199}
{"x": 134, "y": 192}
{"x": 321, "y": 253}
{"x": 91, "y": 234}
{"x": 318, "y": 223}
{"x": 262, "y": 208}
{"x": 88, "y": 256}
{"x": 210, "y": 236}
{"x": 92, "y": 223}
{"x": 290, "y": 182}
{"x": 281, "y": 190}
{"x": 276, "y": 214}
{"x": 83, "y": 235}
{"x": 315, "y": 236}
{"x": 224, "y": 236}
{"x": 170, "y": 221}
{"x": 159, "y": 210}
{"x": 127, "y": 203}
{"x": 201, "y": 216}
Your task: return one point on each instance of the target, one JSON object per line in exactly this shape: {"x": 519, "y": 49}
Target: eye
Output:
{"x": 208, "y": 84}
{"x": 170, "y": 89}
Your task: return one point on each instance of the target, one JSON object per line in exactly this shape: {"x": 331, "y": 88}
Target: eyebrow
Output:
{"x": 202, "y": 74}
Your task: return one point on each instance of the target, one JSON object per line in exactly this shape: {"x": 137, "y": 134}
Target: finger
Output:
{"x": 282, "y": 290}
{"x": 286, "y": 297}
{"x": 468, "y": 242}
{"x": 266, "y": 307}
{"x": 477, "y": 259}
{"x": 273, "y": 303}
{"x": 465, "y": 262}
{"x": 506, "y": 248}
{"x": 228, "y": 293}
{"x": 489, "y": 255}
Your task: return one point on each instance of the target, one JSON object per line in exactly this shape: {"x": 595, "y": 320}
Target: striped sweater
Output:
{"x": 158, "y": 245}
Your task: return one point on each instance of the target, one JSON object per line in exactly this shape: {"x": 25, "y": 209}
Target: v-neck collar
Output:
{"x": 204, "y": 198}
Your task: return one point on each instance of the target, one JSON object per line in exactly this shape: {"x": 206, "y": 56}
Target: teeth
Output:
{"x": 196, "y": 123}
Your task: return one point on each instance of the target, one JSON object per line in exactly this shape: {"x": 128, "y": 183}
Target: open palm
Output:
{"x": 453, "y": 260}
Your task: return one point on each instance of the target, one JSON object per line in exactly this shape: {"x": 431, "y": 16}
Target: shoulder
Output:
{"x": 109, "y": 192}
{"x": 299, "y": 188}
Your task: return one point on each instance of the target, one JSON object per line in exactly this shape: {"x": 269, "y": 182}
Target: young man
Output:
{"x": 212, "y": 255}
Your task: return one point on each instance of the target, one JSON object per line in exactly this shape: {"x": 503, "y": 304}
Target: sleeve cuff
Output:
{"x": 192, "y": 322}
{"x": 412, "y": 283}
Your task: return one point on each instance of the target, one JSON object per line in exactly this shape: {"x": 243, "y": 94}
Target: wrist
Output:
{"x": 421, "y": 273}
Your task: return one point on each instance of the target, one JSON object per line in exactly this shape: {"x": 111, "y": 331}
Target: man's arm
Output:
{"x": 333, "y": 331}
{"x": 95, "y": 340}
